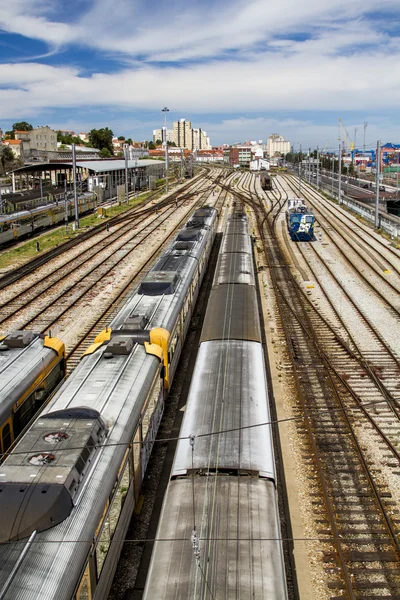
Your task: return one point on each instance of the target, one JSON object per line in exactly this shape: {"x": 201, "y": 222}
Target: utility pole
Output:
{"x": 378, "y": 168}
{"x": 365, "y": 128}
{"x": 165, "y": 110}
{"x": 126, "y": 173}
{"x": 41, "y": 189}
{"x": 333, "y": 171}
{"x": 65, "y": 206}
{"x": 75, "y": 190}
{"x": 300, "y": 168}
{"x": 317, "y": 168}
{"x": 181, "y": 177}
{"x": 340, "y": 175}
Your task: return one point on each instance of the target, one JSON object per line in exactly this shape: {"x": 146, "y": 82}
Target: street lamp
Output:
{"x": 165, "y": 110}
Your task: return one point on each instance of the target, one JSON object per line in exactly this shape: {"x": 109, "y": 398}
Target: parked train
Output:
{"x": 300, "y": 221}
{"x": 31, "y": 367}
{"x": 75, "y": 477}
{"x": 266, "y": 181}
{"x": 220, "y": 518}
{"x": 21, "y": 224}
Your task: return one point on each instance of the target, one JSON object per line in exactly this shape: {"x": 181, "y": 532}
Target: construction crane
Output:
{"x": 348, "y": 143}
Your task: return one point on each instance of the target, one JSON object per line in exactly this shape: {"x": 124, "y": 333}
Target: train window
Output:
{"x": 136, "y": 461}
{"x": 150, "y": 407}
{"x": 103, "y": 546}
{"x": 6, "y": 436}
{"x": 119, "y": 498}
{"x": 84, "y": 590}
{"x": 24, "y": 414}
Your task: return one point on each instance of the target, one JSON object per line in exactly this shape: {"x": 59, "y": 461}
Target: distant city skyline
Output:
{"x": 289, "y": 67}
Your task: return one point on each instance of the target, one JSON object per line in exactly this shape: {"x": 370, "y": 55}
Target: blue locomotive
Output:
{"x": 300, "y": 221}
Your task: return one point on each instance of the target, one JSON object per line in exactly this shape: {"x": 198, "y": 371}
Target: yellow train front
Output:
{"x": 31, "y": 367}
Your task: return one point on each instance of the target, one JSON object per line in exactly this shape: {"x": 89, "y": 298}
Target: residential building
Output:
{"x": 15, "y": 146}
{"x": 211, "y": 155}
{"x": 238, "y": 156}
{"x": 159, "y": 134}
{"x": 84, "y": 135}
{"x": 183, "y": 133}
{"x": 277, "y": 144}
{"x": 37, "y": 143}
{"x": 200, "y": 140}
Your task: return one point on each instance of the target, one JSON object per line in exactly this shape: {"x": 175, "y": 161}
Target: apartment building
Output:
{"x": 159, "y": 134}
{"x": 183, "y": 133}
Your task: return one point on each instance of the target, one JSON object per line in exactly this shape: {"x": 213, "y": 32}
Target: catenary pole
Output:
{"x": 340, "y": 175}
{"x": 126, "y": 173}
{"x": 75, "y": 190}
{"x": 378, "y": 168}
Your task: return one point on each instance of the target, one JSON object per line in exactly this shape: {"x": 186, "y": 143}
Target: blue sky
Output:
{"x": 240, "y": 70}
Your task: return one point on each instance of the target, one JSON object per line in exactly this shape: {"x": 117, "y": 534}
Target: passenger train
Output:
{"x": 72, "y": 482}
{"x": 21, "y": 224}
{"x": 219, "y": 531}
{"x": 31, "y": 367}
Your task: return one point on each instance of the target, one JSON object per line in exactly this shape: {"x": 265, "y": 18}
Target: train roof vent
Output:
{"x": 158, "y": 283}
{"x": 119, "y": 345}
{"x": 135, "y": 322}
{"x": 206, "y": 211}
{"x": 183, "y": 245}
{"x": 188, "y": 235}
{"x": 19, "y": 339}
{"x": 197, "y": 223}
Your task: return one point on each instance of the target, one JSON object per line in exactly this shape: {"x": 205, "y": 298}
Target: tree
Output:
{"x": 158, "y": 142}
{"x": 22, "y": 126}
{"x": 10, "y": 135}
{"x": 121, "y": 138}
{"x": 129, "y": 141}
{"x": 8, "y": 154}
{"x": 104, "y": 153}
{"x": 151, "y": 146}
{"x": 69, "y": 139}
{"x": 102, "y": 138}
{"x": 171, "y": 144}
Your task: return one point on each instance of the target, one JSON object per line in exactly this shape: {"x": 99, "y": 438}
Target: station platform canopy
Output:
{"x": 93, "y": 166}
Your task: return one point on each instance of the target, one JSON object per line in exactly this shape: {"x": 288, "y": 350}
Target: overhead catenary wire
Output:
{"x": 201, "y": 435}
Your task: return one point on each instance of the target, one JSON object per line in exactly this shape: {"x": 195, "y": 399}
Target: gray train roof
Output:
{"x": 20, "y": 368}
{"x": 51, "y": 570}
{"x": 243, "y": 561}
{"x": 228, "y": 390}
{"x": 232, "y": 313}
{"x": 159, "y": 297}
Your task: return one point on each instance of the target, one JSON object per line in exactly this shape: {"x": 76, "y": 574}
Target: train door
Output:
{"x": 7, "y": 436}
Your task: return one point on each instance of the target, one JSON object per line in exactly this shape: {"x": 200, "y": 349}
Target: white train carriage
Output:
{"x": 219, "y": 530}
{"x": 31, "y": 367}
{"x": 75, "y": 477}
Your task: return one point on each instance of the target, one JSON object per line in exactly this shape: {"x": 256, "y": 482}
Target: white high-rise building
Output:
{"x": 277, "y": 145}
{"x": 158, "y": 134}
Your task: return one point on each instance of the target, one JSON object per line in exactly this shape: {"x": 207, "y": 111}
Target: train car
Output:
{"x": 300, "y": 223}
{"x": 266, "y": 181}
{"x": 31, "y": 367}
{"x": 21, "y": 224}
{"x": 79, "y": 476}
{"x": 220, "y": 514}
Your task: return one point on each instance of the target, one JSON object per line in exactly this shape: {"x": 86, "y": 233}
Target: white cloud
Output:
{"x": 181, "y": 31}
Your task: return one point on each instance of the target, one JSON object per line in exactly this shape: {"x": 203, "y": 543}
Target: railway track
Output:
{"x": 137, "y": 211}
{"x": 359, "y": 519}
{"x": 77, "y": 296}
{"x": 90, "y": 266}
{"x": 101, "y": 321}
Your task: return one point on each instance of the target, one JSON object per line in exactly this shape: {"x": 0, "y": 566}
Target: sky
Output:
{"x": 239, "y": 70}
